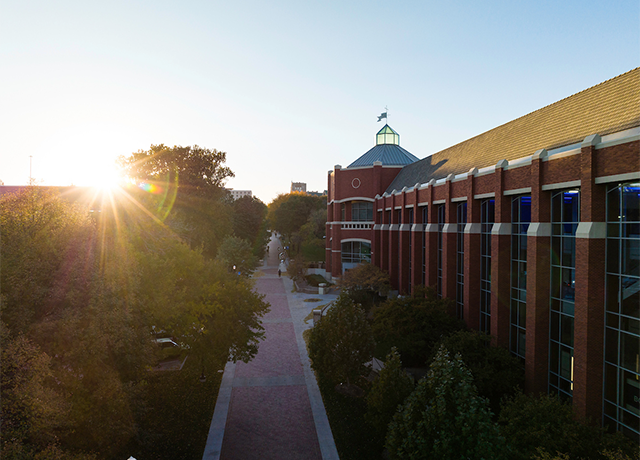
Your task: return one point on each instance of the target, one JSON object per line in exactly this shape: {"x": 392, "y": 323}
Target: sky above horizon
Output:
{"x": 287, "y": 89}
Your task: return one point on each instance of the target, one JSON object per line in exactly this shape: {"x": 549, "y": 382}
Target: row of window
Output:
{"x": 622, "y": 286}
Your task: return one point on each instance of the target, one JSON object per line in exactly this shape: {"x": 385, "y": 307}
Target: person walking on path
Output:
{"x": 279, "y": 273}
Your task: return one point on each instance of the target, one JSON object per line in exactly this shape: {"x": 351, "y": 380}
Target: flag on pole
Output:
{"x": 382, "y": 115}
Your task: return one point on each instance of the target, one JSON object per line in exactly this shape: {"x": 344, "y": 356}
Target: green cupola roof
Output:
{"x": 387, "y": 136}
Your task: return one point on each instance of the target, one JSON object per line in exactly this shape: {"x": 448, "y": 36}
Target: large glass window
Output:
{"x": 361, "y": 211}
{"x": 461, "y": 214}
{"x": 440, "y": 247}
{"x": 520, "y": 220}
{"x": 425, "y": 221}
{"x": 565, "y": 216}
{"x": 622, "y": 332}
{"x": 487, "y": 218}
{"x": 410, "y": 245}
{"x": 355, "y": 252}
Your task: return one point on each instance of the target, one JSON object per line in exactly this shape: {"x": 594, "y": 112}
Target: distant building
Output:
{"x": 299, "y": 187}
{"x": 239, "y": 193}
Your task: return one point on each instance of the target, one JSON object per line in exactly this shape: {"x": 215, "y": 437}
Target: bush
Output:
{"x": 414, "y": 325}
{"x": 341, "y": 344}
{"x": 495, "y": 372}
{"x": 544, "y": 426}
{"x": 388, "y": 392}
{"x": 444, "y": 418}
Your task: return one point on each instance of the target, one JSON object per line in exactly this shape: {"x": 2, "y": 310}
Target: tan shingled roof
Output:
{"x": 608, "y": 107}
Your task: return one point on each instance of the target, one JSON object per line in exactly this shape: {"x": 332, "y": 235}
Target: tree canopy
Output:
{"x": 81, "y": 292}
{"x": 289, "y": 212}
{"x": 444, "y": 418}
{"x": 183, "y": 187}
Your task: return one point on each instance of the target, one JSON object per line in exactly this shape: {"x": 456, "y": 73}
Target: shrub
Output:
{"x": 545, "y": 427}
{"x": 444, "y": 418}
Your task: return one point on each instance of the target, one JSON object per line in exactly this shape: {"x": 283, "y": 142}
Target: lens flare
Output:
{"x": 150, "y": 188}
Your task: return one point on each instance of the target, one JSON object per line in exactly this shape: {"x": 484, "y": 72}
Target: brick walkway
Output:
{"x": 271, "y": 408}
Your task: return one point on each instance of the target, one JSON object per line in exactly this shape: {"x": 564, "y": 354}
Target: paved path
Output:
{"x": 271, "y": 408}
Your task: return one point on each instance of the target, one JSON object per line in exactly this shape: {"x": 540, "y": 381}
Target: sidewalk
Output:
{"x": 271, "y": 407}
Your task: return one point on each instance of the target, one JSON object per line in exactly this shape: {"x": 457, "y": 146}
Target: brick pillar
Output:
{"x": 588, "y": 336}
{"x": 431, "y": 240}
{"x": 417, "y": 230}
{"x": 404, "y": 233}
{"x": 449, "y": 246}
{"x": 376, "y": 244}
{"x": 471, "y": 312}
{"x": 538, "y": 274}
{"x": 501, "y": 262}
{"x": 384, "y": 239}
{"x": 394, "y": 256}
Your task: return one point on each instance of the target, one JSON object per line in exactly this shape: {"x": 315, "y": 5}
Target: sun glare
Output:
{"x": 107, "y": 179}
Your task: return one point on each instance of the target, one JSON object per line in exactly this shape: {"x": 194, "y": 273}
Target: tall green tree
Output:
{"x": 249, "y": 223}
{"x": 388, "y": 392}
{"x": 183, "y": 186}
{"x": 444, "y": 418}
{"x": 289, "y": 212}
{"x": 341, "y": 344}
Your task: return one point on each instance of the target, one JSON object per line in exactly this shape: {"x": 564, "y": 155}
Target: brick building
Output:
{"x": 532, "y": 228}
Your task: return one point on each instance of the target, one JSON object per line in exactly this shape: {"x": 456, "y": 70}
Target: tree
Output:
{"x": 80, "y": 294}
{"x": 366, "y": 284}
{"x": 297, "y": 269}
{"x": 249, "y": 223}
{"x": 289, "y": 212}
{"x": 414, "y": 325}
{"x": 183, "y": 186}
{"x": 341, "y": 344}
{"x": 201, "y": 171}
{"x": 312, "y": 235}
{"x": 496, "y": 373}
{"x": 235, "y": 253}
{"x": 444, "y": 418}
{"x": 389, "y": 390}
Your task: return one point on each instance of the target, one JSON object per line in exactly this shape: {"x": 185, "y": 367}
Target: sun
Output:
{"x": 106, "y": 178}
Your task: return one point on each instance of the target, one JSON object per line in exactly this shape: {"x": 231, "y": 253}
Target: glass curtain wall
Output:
{"x": 487, "y": 218}
{"x": 520, "y": 220}
{"x": 622, "y": 333}
{"x": 565, "y": 216}
{"x": 440, "y": 247}
{"x": 461, "y": 215}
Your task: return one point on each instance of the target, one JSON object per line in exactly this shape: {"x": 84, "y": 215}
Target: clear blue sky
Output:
{"x": 287, "y": 88}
